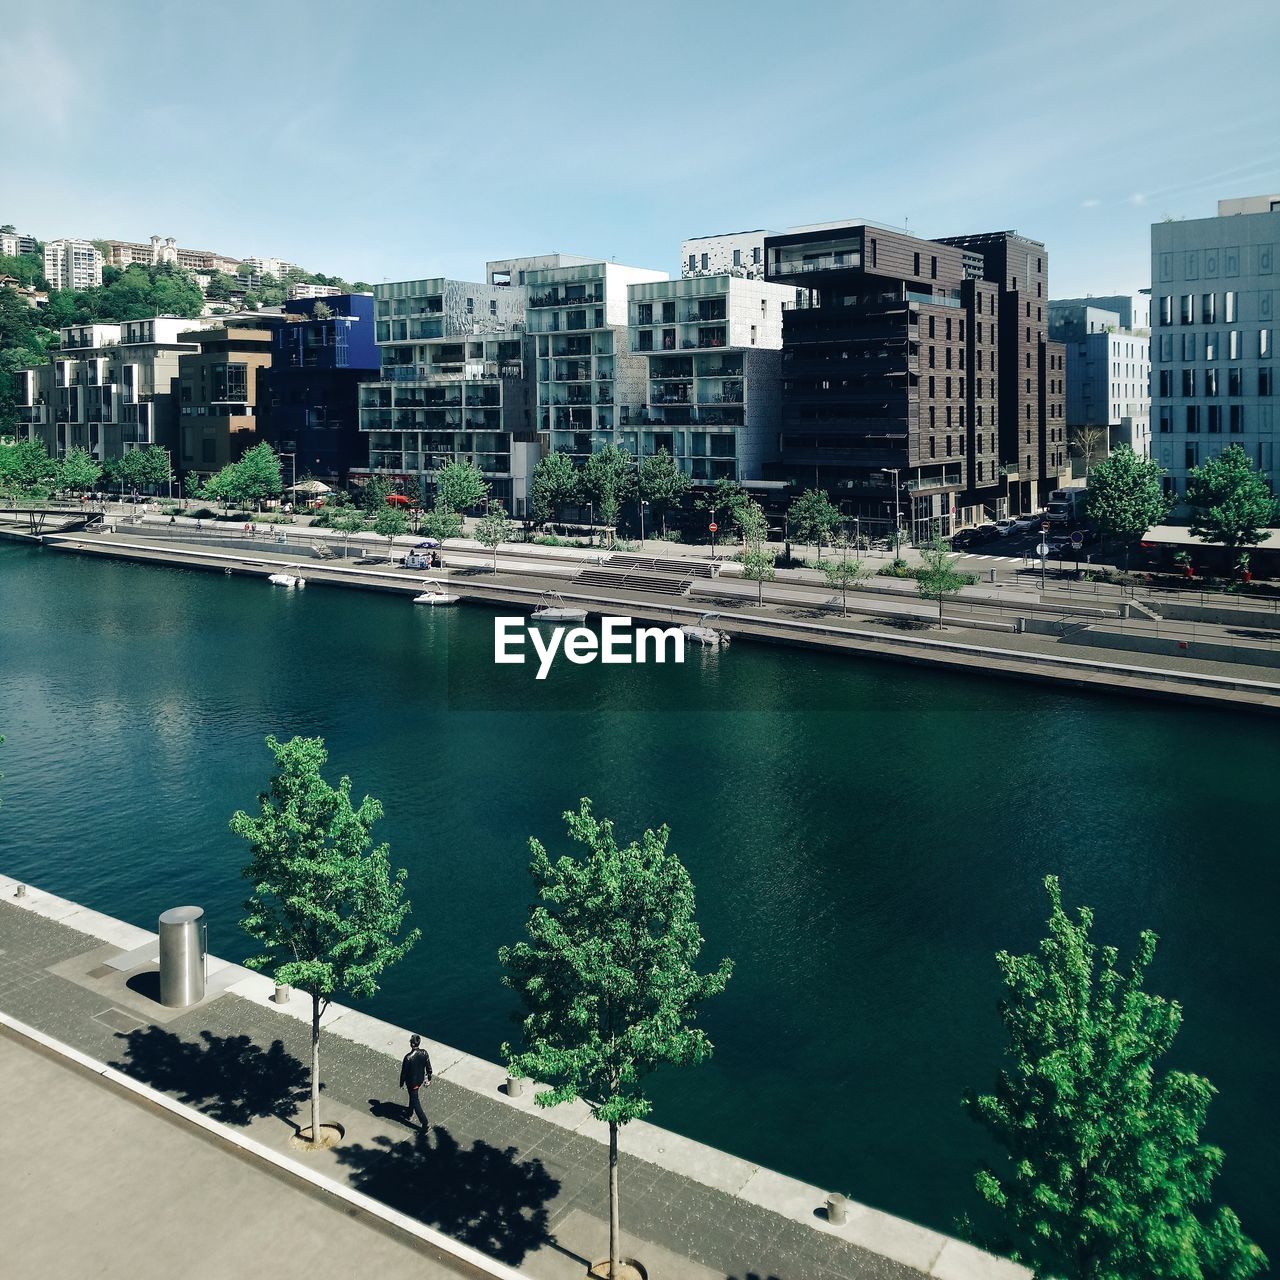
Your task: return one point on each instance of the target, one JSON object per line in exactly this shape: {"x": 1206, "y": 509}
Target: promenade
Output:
{"x": 521, "y": 1185}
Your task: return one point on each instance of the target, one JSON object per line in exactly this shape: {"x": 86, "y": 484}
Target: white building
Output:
{"x": 11, "y": 245}
{"x": 733, "y": 253}
{"x": 72, "y": 264}
{"x": 297, "y": 291}
{"x": 276, "y": 267}
{"x": 587, "y": 377}
{"x": 714, "y": 350}
{"x": 1214, "y": 284}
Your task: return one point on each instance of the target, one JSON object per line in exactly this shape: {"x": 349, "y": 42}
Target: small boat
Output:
{"x": 709, "y": 637}
{"x": 554, "y": 609}
{"x": 435, "y": 593}
{"x": 286, "y": 580}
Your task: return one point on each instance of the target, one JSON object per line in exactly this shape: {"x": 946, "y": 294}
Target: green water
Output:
{"x": 863, "y": 838}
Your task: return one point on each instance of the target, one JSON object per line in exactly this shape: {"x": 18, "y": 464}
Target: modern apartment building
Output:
{"x": 72, "y": 264}
{"x": 309, "y": 396}
{"x": 302, "y": 291}
{"x": 108, "y": 388}
{"x": 588, "y": 379}
{"x": 733, "y": 253}
{"x": 217, "y": 387}
{"x": 1108, "y": 348}
{"x": 455, "y": 383}
{"x": 1214, "y": 285}
{"x": 712, "y": 393}
{"x": 13, "y": 244}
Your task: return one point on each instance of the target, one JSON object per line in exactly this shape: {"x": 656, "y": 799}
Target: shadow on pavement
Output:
{"x": 230, "y": 1078}
{"x": 482, "y": 1195}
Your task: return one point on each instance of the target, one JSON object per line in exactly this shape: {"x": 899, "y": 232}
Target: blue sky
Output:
{"x": 398, "y": 140}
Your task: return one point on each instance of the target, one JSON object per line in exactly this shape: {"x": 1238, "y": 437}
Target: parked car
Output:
{"x": 1005, "y": 527}
{"x": 1026, "y": 523}
{"x": 965, "y": 538}
{"x": 426, "y": 544}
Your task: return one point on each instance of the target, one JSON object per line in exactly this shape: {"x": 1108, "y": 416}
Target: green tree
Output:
{"x": 814, "y": 518}
{"x": 608, "y": 977}
{"x": 1230, "y": 500}
{"x": 325, "y": 905}
{"x": 459, "y": 486}
{"x": 391, "y": 523}
{"x": 493, "y": 530}
{"x": 28, "y": 474}
{"x": 258, "y": 474}
{"x": 347, "y": 521}
{"x": 753, "y": 527}
{"x": 1126, "y": 497}
{"x": 553, "y": 486}
{"x": 607, "y": 480}
{"x": 841, "y": 575}
{"x": 758, "y": 566}
{"x": 442, "y": 525}
{"x": 937, "y": 577}
{"x": 377, "y": 489}
{"x": 78, "y": 471}
{"x": 725, "y": 496}
{"x": 1104, "y": 1175}
{"x": 661, "y": 483}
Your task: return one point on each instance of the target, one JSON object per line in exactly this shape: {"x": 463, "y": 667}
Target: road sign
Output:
{"x": 712, "y": 527}
{"x": 1042, "y": 550}
{"x": 1044, "y": 526}
{"x": 1077, "y": 539}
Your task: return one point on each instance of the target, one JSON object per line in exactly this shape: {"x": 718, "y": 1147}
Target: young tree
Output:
{"x": 349, "y": 520}
{"x": 258, "y": 474}
{"x": 1126, "y": 497}
{"x": 441, "y": 524}
{"x": 814, "y": 518}
{"x": 661, "y": 483}
{"x": 1086, "y": 441}
{"x": 391, "y": 523}
{"x": 553, "y": 486}
{"x": 726, "y": 496}
{"x": 753, "y": 526}
{"x": 78, "y": 471}
{"x": 608, "y": 479}
{"x": 27, "y": 473}
{"x": 608, "y": 977}
{"x": 841, "y": 575}
{"x": 1230, "y": 500}
{"x": 460, "y": 485}
{"x": 325, "y": 904}
{"x": 758, "y": 566}
{"x": 1105, "y": 1176}
{"x": 938, "y": 578}
{"x": 494, "y": 529}
{"x": 375, "y": 493}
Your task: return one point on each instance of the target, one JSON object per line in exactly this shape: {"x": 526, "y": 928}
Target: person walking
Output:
{"x": 415, "y": 1074}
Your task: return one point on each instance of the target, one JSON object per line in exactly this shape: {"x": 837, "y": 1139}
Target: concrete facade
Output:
{"x": 732, "y": 253}
{"x": 1214, "y": 294}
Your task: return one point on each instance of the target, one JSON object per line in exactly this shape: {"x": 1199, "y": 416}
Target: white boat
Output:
{"x": 709, "y": 637}
{"x": 554, "y": 609}
{"x": 435, "y": 593}
{"x": 286, "y": 580}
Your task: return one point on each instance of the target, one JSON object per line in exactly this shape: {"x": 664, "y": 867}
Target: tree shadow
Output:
{"x": 230, "y": 1078}
{"x": 482, "y": 1195}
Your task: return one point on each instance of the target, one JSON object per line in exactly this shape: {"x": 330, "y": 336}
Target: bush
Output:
{"x": 321, "y": 519}
{"x": 204, "y": 513}
{"x": 901, "y": 569}
{"x": 671, "y": 535}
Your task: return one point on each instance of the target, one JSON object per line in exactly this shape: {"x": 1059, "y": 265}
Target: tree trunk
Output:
{"x": 315, "y": 1068}
{"x": 940, "y": 627}
{"x": 614, "y": 1230}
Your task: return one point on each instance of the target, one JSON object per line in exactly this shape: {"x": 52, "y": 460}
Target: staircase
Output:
{"x": 663, "y": 577}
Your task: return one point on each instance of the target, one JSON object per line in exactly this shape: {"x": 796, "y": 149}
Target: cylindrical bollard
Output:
{"x": 837, "y": 1209}
{"x": 515, "y": 1086}
{"x": 183, "y": 945}
{"x": 20, "y": 891}
{"x": 282, "y": 993}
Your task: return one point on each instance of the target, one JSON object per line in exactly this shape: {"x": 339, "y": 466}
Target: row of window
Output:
{"x": 1212, "y": 346}
{"x": 1206, "y": 382}
{"x": 1210, "y": 416}
{"x": 1207, "y": 310}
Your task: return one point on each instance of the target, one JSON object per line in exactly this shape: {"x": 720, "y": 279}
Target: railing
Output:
{"x": 947, "y": 480}
{"x": 827, "y": 262}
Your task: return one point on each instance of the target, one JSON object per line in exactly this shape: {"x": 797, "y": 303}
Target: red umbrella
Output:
{"x": 398, "y": 498}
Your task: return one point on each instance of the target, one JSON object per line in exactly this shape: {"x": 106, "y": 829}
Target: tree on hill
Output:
{"x": 1103, "y": 1175}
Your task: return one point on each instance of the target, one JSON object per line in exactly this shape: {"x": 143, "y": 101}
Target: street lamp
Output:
{"x": 641, "y": 504}
{"x": 897, "y": 509}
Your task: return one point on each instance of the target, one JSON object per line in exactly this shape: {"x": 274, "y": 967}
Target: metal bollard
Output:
{"x": 515, "y": 1087}
{"x": 837, "y": 1209}
{"x": 183, "y": 950}
{"x": 282, "y": 993}
{"x": 20, "y": 891}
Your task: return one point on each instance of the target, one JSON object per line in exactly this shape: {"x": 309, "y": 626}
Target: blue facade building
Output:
{"x": 308, "y": 397}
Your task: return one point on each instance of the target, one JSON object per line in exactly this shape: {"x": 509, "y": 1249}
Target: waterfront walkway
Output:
{"x": 526, "y": 1187}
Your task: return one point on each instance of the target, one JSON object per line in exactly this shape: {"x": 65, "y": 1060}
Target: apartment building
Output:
{"x": 309, "y": 397}
{"x": 711, "y": 395}
{"x": 72, "y": 264}
{"x": 304, "y": 291}
{"x": 588, "y": 378}
{"x": 455, "y": 384}
{"x": 1108, "y": 347}
{"x": 1214, "y": 289}
{"x": 217, "y": 385}
{"x": 732, "y": 253}
{"x": 161, "y": 249}
{"x": 12, "y": 244}
{"x": 108, "y": 388}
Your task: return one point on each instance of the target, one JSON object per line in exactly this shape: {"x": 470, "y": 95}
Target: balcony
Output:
{"x": 947, "y": 478}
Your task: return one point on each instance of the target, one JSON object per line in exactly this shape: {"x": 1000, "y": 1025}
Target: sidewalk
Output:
{"x": 525, "y": 1186}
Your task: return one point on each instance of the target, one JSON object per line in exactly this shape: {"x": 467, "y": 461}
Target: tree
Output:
{"x": 377, "y": 489}
{"x": 608, "y": 479}
{"x": 725, "y": 495}
{"x": 78, "y": 471}
{"x": 348, "y": 521}
{"x": 758, "y": 566}
{"x": 442, "y": 525}
{"x": 841, "y": 575}
{"x": 608, "y": 977}
{"x": 1230, "y": 500}
{"x": 753, "y": 527}
{"x": 814, "y": 518}
{"x": 661, "y": 483}
{"x": 325, "y": 904}
{"x": 1104, "y": 1176}
{"x": 1126, "y": 497}
{"x": 390, "y": 523}
{"x": 493, "y": 530}
{"x": 938, "y": 578}
{"x": 553, "y": 486}
{"x": 1086, "y": 441}
{"x": 258, "y": 474}
{"x": 321, "y": 311}
{"x": 460, "y": 485}
{"x": 27, "y": 473}
{"x": 141, "y": 469}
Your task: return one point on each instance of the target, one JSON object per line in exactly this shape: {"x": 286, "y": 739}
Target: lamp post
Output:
{"x": 897, "y": 509}
{"x": 640, "y": 504}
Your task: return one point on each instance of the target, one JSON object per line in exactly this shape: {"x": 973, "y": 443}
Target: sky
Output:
{"x": 392, "y": 141}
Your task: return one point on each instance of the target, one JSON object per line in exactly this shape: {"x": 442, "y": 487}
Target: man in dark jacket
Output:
{"x": 415, "y": 1072}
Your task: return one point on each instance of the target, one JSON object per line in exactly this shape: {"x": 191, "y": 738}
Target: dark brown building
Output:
{"x": 894, "y": 373}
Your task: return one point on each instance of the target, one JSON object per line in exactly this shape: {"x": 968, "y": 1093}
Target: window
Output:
{"x": 915, "y": 265}
{"x": 1264, "y": 382}
{"x": 948, "y": 391}
{"x": 1209, "y": 308}
{"x": 1234, "y": 345}
{"x": 948, "y": 355}
{"x": 948, "y": 328}
{"x": 932, "y": 364}
{"x": 1237, "y": 419}
{"x": 471, "y": 306}
{"x": 1166, "y": 346}
{"x": 644, "y": 313}
{"x": 764, "y": 306}
{"x": 1188, "y": 308}
{"x": 873, "y": 251}
{"x": 693, "y": 262}
{"x": 1166, "y": 310}
{"x": 753, "y": 335}
{"x": 1188, "y": 346}
{"x": 1166, "y": 418}
{"x": 931, "y": 390}
{"x": 493, "y": 306}
{"x": 1211, "y": 382}
{"x": 1213, "y": 418}
{"x": 1229, "y": 309}
{"x": 669, "y": 312}
{"x": 932, "y": 448}
{"x": 755, "y": 255}
{"x": 737, "y": 257}
{"x": 1188, "y": 382}
{"x": 933, "y": 268}
{"x": 1264, "y": 344}
{"x": 1193, "y": 419}
{"x": 1235, "y": 382}
{"x": 931, "y": 320}
{"x": 1210, "y": 346}
{"x": 704, "y": 262}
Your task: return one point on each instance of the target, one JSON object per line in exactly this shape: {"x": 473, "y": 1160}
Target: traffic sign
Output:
{"x": 1042, "y": 550}
{"x": 1044, "y": 526}
{"x": 1077, "y": 539}
{"x": 712, "y": 527}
